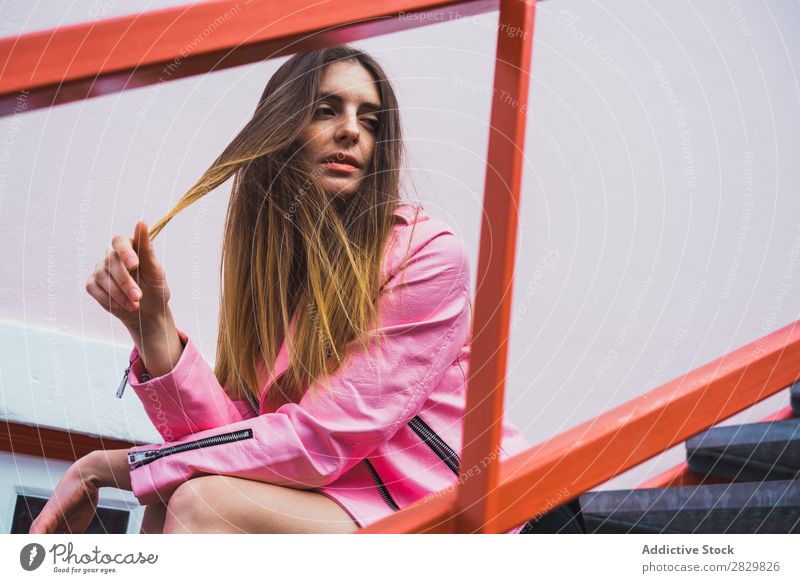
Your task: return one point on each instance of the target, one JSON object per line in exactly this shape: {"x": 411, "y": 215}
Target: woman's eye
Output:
{"x": 325, "y": 110}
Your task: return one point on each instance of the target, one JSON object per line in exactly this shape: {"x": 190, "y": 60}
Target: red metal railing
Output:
{"x": 85, "y": 60}
{"x": 611, "y": 443}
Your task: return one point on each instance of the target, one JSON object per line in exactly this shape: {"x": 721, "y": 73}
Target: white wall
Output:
{"x": 68, "y": 381}
{"x": 660, "y": 216}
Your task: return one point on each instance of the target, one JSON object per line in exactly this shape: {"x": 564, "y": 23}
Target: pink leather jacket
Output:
{"x": 383, "y": 436}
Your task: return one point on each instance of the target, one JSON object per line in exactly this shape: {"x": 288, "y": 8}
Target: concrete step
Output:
{"x": 748, "y": 453}
{"x": 747, "y": 507}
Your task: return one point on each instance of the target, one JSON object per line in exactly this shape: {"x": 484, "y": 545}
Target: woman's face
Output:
{"x": 340, "y": 140}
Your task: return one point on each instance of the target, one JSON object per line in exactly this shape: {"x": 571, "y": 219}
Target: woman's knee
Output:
{"x": 217, "y": 504}
{"x": 194, "y": 506}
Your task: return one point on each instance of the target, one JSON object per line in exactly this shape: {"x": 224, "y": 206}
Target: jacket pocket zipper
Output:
{"x": 436, "y": 443}
{"x": 381, "y": 487}
{"x": 141, "y": 458}
{"x": 121, "y": 388}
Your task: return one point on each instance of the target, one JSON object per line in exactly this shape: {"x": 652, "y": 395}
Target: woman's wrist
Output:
{"x": 106, "y": 468}
{"x": 158, "y": 342}
{"x": 144, "y": 327}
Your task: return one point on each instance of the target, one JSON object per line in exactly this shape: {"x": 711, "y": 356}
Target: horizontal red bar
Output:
{"x": 85, "y": 60}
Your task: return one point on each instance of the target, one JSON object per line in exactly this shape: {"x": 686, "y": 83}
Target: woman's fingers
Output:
{"x": 119, "y": 254}
{"x": 68, "y": 511}
{"x": 40, "y": 526}
{"x": 104, "y": 298}
{"x": 48, "y": 522}
{"x": 124, "y": 248}
{"x": 143, "y": 247}
{"x": 129, "y": 272}
{"x": 107, "y": 283}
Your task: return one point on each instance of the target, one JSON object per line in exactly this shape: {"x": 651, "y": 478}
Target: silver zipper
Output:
{"x": 384, "y": 492}
{"x": 124, "y": 382}
{"x": 141, "y": 458}
{"x": 432, "y": 440}
{"x": 436, "y": 443}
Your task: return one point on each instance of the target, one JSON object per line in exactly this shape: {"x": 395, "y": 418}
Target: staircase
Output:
{"x": 749, "y": 483}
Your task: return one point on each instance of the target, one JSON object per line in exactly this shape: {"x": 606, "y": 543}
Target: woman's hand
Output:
{"x": 74, "y": 502}
{"x": 129, "y": 282}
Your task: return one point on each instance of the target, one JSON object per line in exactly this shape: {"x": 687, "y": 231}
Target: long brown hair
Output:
{"x": 288, "y": 247}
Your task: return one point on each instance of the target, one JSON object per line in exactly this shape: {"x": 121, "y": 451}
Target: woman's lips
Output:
{"x": 339, "y": 167}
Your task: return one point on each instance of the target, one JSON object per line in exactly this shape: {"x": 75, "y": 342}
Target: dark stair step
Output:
{"x": 748, "y": 507}
{"x": 794, "y": 396}
{"x": 748, "y": 453}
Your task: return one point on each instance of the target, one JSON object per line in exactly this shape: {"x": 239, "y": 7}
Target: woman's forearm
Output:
{"x": 158, "y": 343}
{"x": 107, "y": 468}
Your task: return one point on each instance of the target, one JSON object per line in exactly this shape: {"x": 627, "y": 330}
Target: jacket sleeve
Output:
{"x": 183, "y": 401}
{"x": 424, "y": 321}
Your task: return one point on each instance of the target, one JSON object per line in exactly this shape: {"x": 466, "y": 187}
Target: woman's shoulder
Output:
{"x": 415, "y": 219}
{"x": 420, "y": 230}
{"x": 410, "y": 213}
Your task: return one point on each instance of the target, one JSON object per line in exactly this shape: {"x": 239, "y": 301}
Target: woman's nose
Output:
{"x": 348, "y": 128}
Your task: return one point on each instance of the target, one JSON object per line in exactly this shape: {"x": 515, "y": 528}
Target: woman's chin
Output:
{"x": 340, "y": 188}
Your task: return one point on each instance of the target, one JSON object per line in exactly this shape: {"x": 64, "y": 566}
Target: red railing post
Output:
{"x": 476, "y": 507}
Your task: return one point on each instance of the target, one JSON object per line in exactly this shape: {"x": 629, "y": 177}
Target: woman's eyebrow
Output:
{"x": 337, "y": 98}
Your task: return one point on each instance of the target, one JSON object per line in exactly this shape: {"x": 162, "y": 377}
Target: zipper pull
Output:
{"x": 136, "y": 458}
{"x": 121, "y": 387}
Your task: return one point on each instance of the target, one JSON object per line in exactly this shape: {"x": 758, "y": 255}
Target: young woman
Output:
{"x": 338, "y": 391}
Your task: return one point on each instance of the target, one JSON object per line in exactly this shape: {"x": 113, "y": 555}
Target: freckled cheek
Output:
{"x": 313, "y": 139}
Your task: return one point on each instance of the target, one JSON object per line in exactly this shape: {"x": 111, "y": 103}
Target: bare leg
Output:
{"x": 224, "y": 504}
{"x": 153, "y": 520}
